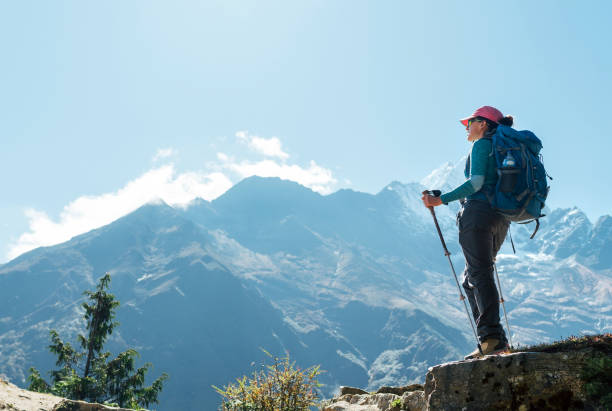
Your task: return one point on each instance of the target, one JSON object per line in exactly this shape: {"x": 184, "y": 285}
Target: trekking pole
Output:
{"x": 436, "y": 193}
{"x": 501, "y": 300}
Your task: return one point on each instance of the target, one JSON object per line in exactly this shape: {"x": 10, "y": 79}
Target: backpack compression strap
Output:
{"x": 537, "y": 220}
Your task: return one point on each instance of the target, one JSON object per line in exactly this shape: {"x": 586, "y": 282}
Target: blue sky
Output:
{"x": 106, "y": 105}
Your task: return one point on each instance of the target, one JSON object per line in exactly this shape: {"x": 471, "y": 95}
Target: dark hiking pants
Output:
{"x": 481, "y": 233}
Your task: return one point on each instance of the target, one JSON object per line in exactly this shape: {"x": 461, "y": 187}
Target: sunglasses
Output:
{"x": 473, "y": 120}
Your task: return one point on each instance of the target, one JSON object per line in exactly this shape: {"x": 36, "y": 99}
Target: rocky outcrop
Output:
{"x": 410, "y": 397}
{"x": 70, "y": 405}
{"x": 519, "y": 381}
{"x": 363, "y": 402}
{"x": 14, "y": 398}
{"x": 352, "y": 391}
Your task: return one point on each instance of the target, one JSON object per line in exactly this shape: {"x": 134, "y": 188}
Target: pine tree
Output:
{"x": 102, "y": 380}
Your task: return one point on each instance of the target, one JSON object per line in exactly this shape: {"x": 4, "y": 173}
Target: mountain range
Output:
{"x": 355, "y": 282}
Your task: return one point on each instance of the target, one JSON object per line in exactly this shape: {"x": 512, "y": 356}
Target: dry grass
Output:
{"x": 601, "y": 343}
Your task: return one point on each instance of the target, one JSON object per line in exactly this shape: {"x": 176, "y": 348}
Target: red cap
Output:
{"x": 488, "y": 112}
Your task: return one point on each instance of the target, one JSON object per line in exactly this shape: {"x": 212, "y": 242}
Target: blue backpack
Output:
{"x": 521, "y": 189}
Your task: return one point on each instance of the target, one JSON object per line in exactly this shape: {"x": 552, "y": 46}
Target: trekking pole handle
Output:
{"x": 434, "y": 193}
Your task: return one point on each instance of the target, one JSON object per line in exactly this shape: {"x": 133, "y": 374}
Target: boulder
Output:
{"x": 399, "y": 390}
{"x": 519, "y": 381}
{"x": 363, "y": 402}
{"x": 413, "y": 401}
{"x": 351, "y": 390}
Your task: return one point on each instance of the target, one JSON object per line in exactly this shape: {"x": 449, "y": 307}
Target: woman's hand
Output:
{"x": 431, "y": 201}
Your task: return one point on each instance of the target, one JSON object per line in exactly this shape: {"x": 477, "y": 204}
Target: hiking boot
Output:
{"x": 491, "y": 346}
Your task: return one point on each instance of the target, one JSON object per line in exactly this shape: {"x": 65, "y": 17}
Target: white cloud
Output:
{"x": 89, "y": 212}
{"x": 163, "y": 183}
{"x": 269, "y": 147}
{"x": 164, "y": 153}
{"x": 314, "y": 177}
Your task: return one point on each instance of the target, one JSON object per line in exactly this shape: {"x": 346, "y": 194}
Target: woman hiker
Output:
{"x": 481, "y": 229}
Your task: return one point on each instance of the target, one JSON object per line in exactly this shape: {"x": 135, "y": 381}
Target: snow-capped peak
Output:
{"x": 446, "y": 177}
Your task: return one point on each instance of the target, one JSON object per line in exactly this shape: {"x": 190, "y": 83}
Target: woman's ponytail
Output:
{"x": 506, "y": 121}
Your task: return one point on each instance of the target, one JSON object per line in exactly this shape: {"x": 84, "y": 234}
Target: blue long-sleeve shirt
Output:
{"x": 481, "y": 171}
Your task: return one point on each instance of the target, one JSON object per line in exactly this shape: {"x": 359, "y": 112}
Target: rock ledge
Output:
{"x": 517, "y": 381}
{"x": 14, "y": 398}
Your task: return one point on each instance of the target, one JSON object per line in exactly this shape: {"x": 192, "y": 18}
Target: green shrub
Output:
{"x": 278, "y": 387}
{"x": 597, "y": 376}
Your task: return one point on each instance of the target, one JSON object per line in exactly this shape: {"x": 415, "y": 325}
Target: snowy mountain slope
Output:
{"x": 446, "y": 177}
